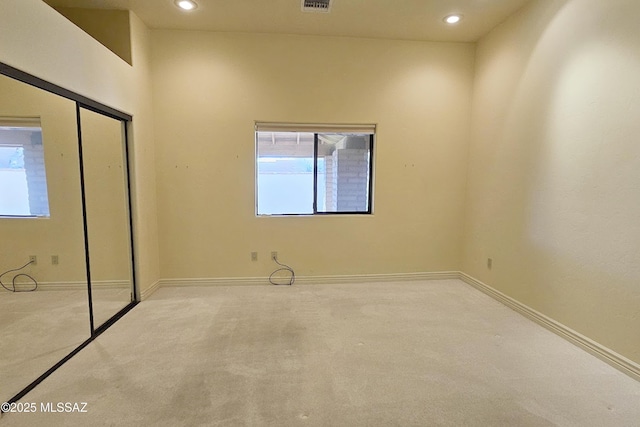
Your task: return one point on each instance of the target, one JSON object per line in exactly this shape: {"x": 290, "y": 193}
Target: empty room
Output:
{"x": 320, "y": 212}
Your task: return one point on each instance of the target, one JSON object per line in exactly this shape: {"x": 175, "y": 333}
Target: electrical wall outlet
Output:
{"x": 33, "y": 259}
{"x": 489, "y": 263}
{"x": 54, "y": 260}
{"x": 254, "y": 256}
{"x": 274, "y": 255}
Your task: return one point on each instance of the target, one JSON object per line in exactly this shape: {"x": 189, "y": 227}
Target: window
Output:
{"x": 23, "y": 181}
{"x": 314, "y": 169}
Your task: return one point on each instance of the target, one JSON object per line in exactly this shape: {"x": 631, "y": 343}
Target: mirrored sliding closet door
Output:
{"x": 66, "y": 256}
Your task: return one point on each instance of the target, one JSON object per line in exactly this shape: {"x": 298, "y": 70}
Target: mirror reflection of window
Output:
{"x": 23, "y": 178}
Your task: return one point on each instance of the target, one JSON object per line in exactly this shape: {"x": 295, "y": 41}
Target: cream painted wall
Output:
{"x": 554, "y": 174}
{"x": 142, "y": 154}
{"x": 209, "y": 88}
{"x": 109, "y": 27}
{"x": 37, "y": 39}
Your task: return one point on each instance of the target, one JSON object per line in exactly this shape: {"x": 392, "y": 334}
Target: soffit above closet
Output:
{"x": 386, "y": 19}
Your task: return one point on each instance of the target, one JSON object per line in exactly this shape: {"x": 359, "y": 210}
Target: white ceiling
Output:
{"x": 390, "y": 19}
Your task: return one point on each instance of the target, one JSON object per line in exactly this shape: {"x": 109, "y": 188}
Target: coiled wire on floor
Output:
{"x": 283, "y": 267}
{"x": 13, "y": 281}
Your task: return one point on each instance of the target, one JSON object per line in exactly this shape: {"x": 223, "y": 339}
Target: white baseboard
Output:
{"x": 146, "y": 293}
{"x": 601, "y": 352}
{"x": 310, "y": 280}
{"x": 369, "y": 278}
{"x": 78, "y": 285}
{"x": 213, "y": 281}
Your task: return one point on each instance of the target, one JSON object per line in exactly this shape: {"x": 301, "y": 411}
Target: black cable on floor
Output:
{"x": 284, "y": 267}
{"x": 13, "y": 282}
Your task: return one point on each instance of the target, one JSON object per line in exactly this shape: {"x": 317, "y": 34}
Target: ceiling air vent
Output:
{"x": 323, "y": 6}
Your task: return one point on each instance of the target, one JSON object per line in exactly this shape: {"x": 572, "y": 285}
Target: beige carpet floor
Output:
{"x": 37, "y": 329}
{"x": 379, "y": 354}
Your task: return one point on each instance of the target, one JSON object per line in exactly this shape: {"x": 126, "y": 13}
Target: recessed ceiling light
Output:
{"x": 186, "y": 4}
{"x": 452, "y": 19}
